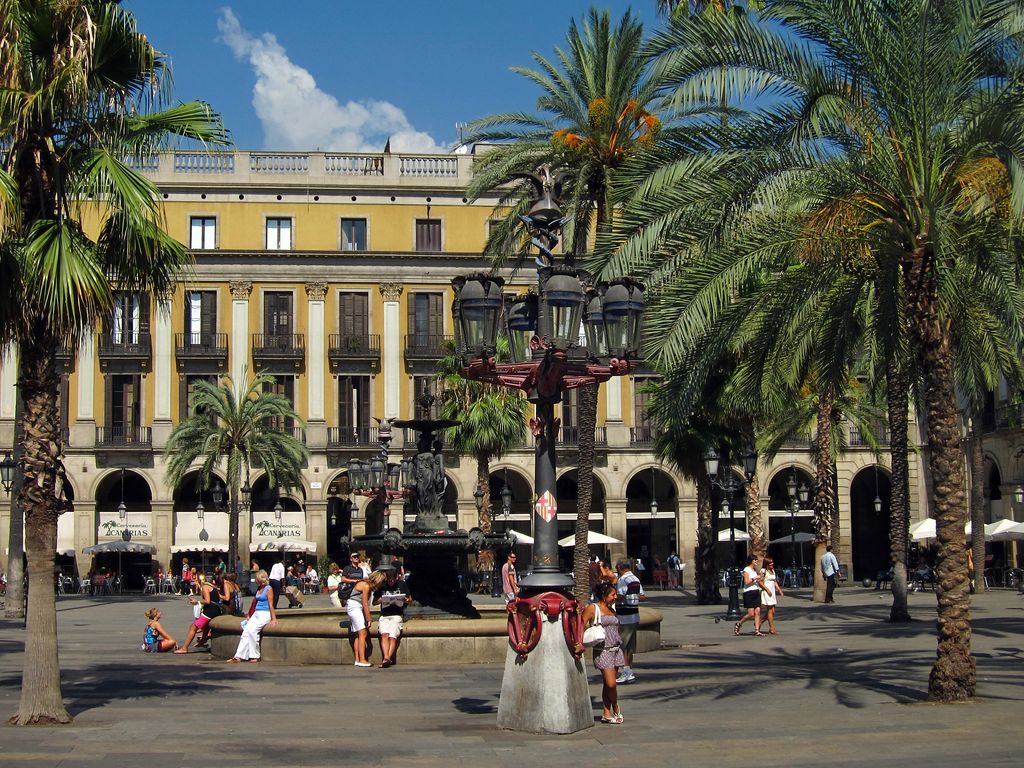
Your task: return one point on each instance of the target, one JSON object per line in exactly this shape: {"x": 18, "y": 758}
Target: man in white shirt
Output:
{"x": 631, "y": 594}
{"x": 829, "y": 569}
{"x": 277, "y": 581}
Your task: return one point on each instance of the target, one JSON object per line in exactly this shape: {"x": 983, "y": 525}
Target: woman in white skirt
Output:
{"x": 249, "y": 643}
{"x": 358, "y": 608}
{"x": 771, "y": 593}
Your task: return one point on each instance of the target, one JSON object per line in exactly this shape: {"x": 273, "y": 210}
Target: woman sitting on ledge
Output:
{"x": 264, "y": 613}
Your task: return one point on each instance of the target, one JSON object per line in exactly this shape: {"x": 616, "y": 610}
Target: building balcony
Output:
{"x": 642, "y": 437}
{"x": 64, "y": 359}
{"x": 275, "y": 351}
{"x": 122, "y": 437}
{"x": 201, "y": 351}
{"x": 1006, "y": 416}
{"x": 356, "y": 354}
{"x": 857, "y": 439}
{"x": 425, "y": 349}
{"x": 570, "y": 437}
{"x": 352, "y": 437}
{"x": 126, "y": 352}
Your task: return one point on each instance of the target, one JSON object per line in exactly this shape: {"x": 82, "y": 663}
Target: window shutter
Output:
{"x": 435, "y": 321}
{"x": 142, "y": 325}
{"x": 362, "y": 390}
{"x": 345, "y": 418}
{"x": 208, "y": 314}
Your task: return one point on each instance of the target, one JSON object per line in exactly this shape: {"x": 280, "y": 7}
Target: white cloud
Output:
{"x": 297, "y": 115}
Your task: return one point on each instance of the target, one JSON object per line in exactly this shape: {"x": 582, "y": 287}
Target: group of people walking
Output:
{"x": 761, "y": 589}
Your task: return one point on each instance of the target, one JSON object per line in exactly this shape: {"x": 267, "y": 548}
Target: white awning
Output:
{"x": 198, "y": 546}
{"x": 120, "y": 546}
{"x": 66, "y": 534}
{"x": 286, "y": 545}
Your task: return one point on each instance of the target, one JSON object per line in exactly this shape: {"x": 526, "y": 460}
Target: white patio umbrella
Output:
{"x": 723, "y": 535}
{"x": 799, "y": 538}
{"x": 522, "y": 538}
{"x": 593, "y": 537}
{"x": 925, "y": 529}
{"x": 1008, "y": 530}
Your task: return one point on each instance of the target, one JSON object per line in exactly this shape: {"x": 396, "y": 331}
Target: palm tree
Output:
{"x": 79, "y": 92}
{"x": 901, "y": 113}
{"x": 492, "y": 421}
{"x": 594, "y": 115}
{"x": 231, "y": 429}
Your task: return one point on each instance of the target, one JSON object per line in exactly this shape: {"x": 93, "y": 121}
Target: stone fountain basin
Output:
{"x": 307, "y": 636}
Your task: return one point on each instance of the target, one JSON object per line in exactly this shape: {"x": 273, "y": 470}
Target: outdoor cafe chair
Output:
{"x": 150, "y": 588}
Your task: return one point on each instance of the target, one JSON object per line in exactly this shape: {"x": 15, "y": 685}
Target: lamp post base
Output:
{"x": 547, "y": 691}
{"x": 734, "y": 613}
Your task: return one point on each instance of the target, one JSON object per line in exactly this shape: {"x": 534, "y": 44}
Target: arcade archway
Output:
{"x": 124, "y": 513}
{"x": 651, "y": 503}
{"x": 870, "y": 501}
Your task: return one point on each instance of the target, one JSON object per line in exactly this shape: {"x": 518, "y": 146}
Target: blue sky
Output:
{"x": 346, "y": 75}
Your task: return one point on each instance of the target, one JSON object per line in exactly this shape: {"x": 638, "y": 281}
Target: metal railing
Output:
{"x": 352, "y": 437}
{"x": 571, "y": 435}
{"x": 341, "y": 345}
{"x": 201, "y": 344}
{"x": 278, "y": 345}
{"x": 124, "y": 436}
{"x": 857, "y": 439}
{"x": 642, "y": 435}
{"x": 126, "y": 344}
{"x": 422, "y": 345}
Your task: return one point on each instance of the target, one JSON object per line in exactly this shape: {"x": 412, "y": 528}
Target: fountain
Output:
{"x": 429, "y": 548}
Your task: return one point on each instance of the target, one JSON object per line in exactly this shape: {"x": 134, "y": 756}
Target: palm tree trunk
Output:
{"x": 897, "y": 401}
{"x": 483, "y": 480}
{"x": 824, "y": 496}
{"x": 14, "y": 600}
{"x": 585, "y": 485}
{"x": 755, "y": 521}
{"x": 41, "y": 697}
{"x": 977, "y": 501}
{"x": 705, "y": 573}
{"x": 233, "y": 526}
{"x": 954, "y": 675}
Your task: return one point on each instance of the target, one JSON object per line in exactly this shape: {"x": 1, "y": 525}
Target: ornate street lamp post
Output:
{"x": 378, "y": 479}
{"x": 797, "y": 501}
{"x": 730, "y": 488}
{"x": 542, "y": 327}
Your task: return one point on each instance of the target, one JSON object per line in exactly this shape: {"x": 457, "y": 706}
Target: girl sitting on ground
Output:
{"x": 156, "y": 640}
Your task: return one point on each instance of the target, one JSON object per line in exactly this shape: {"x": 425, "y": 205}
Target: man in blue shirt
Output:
{"x": 829, "y": 569}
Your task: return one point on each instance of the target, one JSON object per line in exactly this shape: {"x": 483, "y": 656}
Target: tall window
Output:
{"x": 202, "y": 233}
{"x": 426, "y": 321}
{"x": 277, "y": 313}
{"x": 353, "y": 234}
{"x": 425, "y": 385}
{"x": 188, "y": 388}
{"x": 641, "y": 399}
{"x": 354, "y": 409}
{"x": 428, "y": 234}
{"x": 200, "y": 318}
{"x": 130, "y": 318}
{"x": 123, "y": 405}
{"x": 279, "y": 234}
{"x": 353, "y": 317}
{"x": 282, "y": 385}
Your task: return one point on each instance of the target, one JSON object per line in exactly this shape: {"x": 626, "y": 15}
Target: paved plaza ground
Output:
{"x": 837, "y": 687}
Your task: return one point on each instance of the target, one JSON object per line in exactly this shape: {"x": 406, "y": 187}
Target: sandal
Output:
{"x": 759, "y": 633}
{"x": 736, "y": 630}
{"x": 772, "y": 632}
{"x": 234, "y": 660}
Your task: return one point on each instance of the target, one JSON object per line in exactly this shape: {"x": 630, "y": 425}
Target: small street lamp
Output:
{"x": 731, "y": 488}
{"x": 7, "y": 467}
{"x": 797, "y": 501}
{"x": 200, "y": 512}
{"x": 218, "y": 495}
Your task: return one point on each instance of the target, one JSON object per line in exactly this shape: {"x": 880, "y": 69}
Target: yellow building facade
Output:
{"x": 332, "y": 272}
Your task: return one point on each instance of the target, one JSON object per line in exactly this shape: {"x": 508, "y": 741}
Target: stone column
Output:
{"x": 316, "y": 345}
{"x": 85, "y": 532}
{"x": 391, "y": 352}
{"x": 162, "y": 372}
{"x": 83, "y": 432}
{"x": 616, "y": 432}
{"x": 240, "y": 290}
{"x": 316, "y": 525}
{"x": 162, "y": 533}
{"x": 8, "y": 383}
{"x": 615, "y": 526}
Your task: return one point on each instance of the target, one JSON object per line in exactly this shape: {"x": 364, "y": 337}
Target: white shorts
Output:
{"x": 390, "y": 626}
{"x": 356, "y": 619}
